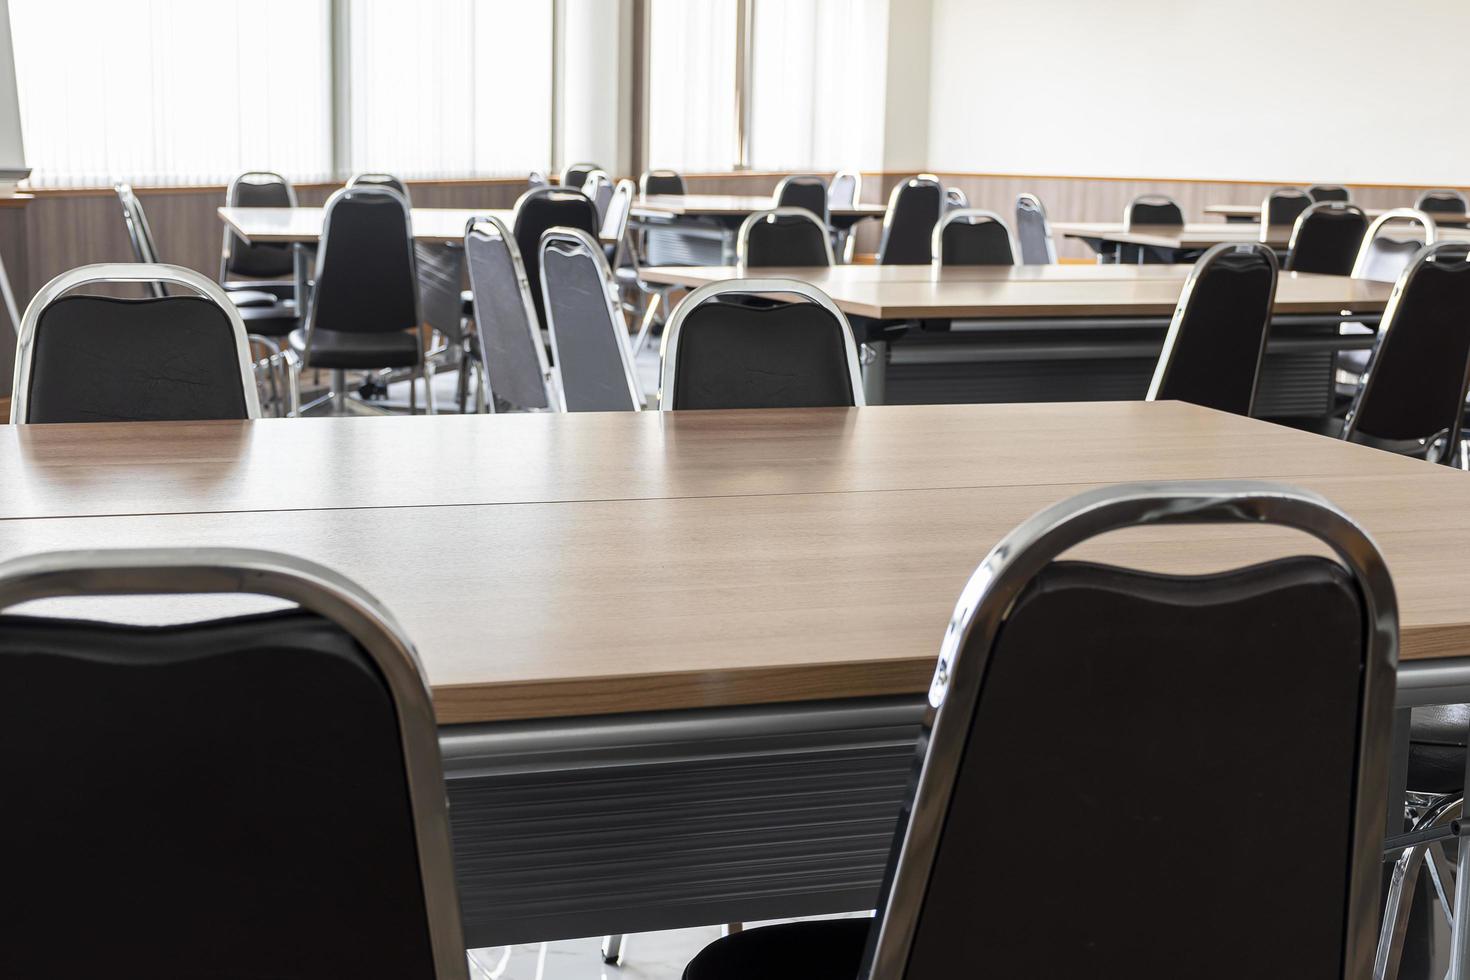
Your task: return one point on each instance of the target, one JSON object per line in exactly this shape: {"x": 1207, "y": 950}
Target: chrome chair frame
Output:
{"x": 486, "y": 226}
{"x": 615, "y": 232}
{"x": 1431, "y": 233}
{"x": 857, "y": 188}
{"x": 1440, "y": 813}
{"x": 955, "y": 199}
{"x": 140, "y": 234}
{"x": 986, "y": 600}
{"x": 669, "y": 357}
{"x": 230, "y": 236}
{"x": 969, "y": 216}
{"x": 756, "y": 217}
{"x": 575, "y": 241}
{"x": 222, "y": 571}
{"x": 1032, "y": 202}
{"x": 155, "y": 275}
{"x": 280, "y": 370}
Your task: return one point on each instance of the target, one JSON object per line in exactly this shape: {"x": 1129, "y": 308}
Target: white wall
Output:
{"x": 905, "y": 120}
{"x": 595, "y": 83}
{"x": 1371, "y": 91}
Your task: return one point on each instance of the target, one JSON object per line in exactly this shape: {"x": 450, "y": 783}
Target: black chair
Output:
{"x": 973, "y": 237}
{"x": 1442, "y": 202}
{"x": 599, "y": 188}
{"x": 574, "y": 175}
{"x": 1154, "y": 210}
{"x": 589, "y": 338}
{"x": 804, "y": 191}
{"x": 1217, "y": 339}
{"x": 263, "y": 262}
{"x": 914, "y": 208}
{"x": 1185, "y": 715}
{"x": 105, "y": 359}
{"x": 381, "y": 180}
{"x": 1326, "y": 239}
{"x": 722, "y": 351}
{"x": 1387, "y": 249}
{"x": 1413, "y": 395}
{"x": 783, "y": 237}
{"x": 1328, "y": 192}
{"x": 513, "y": 356}
{"x": 1282, "y": 207}
{"x": 256, "y": 796}
{"x": 364, "y": 309}
{"x": 653, "y": 182}
{"x": 1033, "y": 231}
{"x": 543, "y": 208}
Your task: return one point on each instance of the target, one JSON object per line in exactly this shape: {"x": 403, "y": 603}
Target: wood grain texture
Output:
{"x": 729, "y": 204}
{"x": 1252, "y": 212}
{"x": 305, "y": 224}
{"x": 547, "y": 565}
{"x": 1193, "y": 236}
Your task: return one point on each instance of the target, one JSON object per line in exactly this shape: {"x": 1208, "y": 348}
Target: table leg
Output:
{"x": 875, "y": 371}
{"x": 1460, "y": 933}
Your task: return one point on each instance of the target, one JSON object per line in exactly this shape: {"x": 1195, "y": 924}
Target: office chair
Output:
{"x": 1175, "y": 707}
{"x": 535, "y": 212}
{"x": 513, "y": 355}
{"x": 364, "y": 310}
{"x": 381, "y": 180}
{"x": 652, "y": 182}
{"x": 160, "y": 358}
{"x": 574, "y": 175}
{"x": 804, "y": 191}
{"x": 1282, "y": 207}
{"x": 1217, "y": 338}
{"x": 589, "y": 337}
{"x": 1442, "y": 202}
{"x": 1033, "y": 231}
{"x": 254, "y": 796}
{"x": 783, "y": 237}
{"x": 914, "y": 208}
{"x": 1328, "y": 192}
{"x": 1326, "y": 239}
{"x": 722, "y": 352}
{"x": 973, "y": 237}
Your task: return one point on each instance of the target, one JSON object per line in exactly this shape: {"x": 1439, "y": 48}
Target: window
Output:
{"x": 172, "y": 91}
{"x": 452, "y": 88}
{"x": 691, "y": 85}
{"x": 817, "y": 84}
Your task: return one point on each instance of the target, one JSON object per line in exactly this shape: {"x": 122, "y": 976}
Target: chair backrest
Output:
{"x": 381, "y": 180}
{"x": 366, "y": 272}
{"x": 513, "y": 354}
{"x": 844, "y": 190}
{"x": 1329, "y": 192}
{"x": 1153, "y": 209}
{"x": 140, "y": 235}
{"x": 589, "y": 338}
{"x": 974, "y": 237}
{"x": 1386, "y": 252}
{"x": 1442, "y": 202}
{"x": 722, "y": 351}
{"x": 1151, "y": 713}
{"x": 1415, "y": 386}
{"x": 538, "y": 210}
{"x": 652, "y": 182}
{"x": 1215, "y": 343}
{"x": 955, "y": 199}
{"x": 783, "y": 237}
{"x": 619, "y": 209}
{"x": 1033, "y": 231}
{"x": 268, "y": 785}
{"x": 104, "y": 359}
{"x": 914, "y": 208}
{"x": 1282, "y": 207}
{"x": 1327, "y": 238}
{"x": 574, "y": 175}
{"x": 257, "y": 189}
{"x": 599, "y": 187}
{"x": 536, "y": 179}
{"x": 803, "y": 191}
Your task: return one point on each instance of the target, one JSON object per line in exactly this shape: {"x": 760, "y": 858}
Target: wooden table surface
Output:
{"x": 1193, "y": 236}
{"x": 1252, "y": 212}
{"x": 1029, "y": 291}
{"x": 581, "y": 564}
{"x": 305, "y": 224}
{"x": 693, "y": 205}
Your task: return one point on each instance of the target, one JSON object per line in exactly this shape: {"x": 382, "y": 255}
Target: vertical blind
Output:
{"x": 172, "y": 91}
{"x": 450, "y": 88}
{"x": 817, "y": 84}
{"x": 691, "y": 85}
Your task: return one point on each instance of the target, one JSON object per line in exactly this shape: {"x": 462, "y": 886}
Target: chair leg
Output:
{"x": 427, "y": 373}
{"x": 612, "y": 949}
{"x": 1404, "y": 880}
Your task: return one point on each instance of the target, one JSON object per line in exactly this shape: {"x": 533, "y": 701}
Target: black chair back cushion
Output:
{"x": 267, "y": 259}
{"x": 587, "y": 342}
{"x": 735, "y": 356}
{"x": 506, "y": 338}
{"x": 1284, "y": 209}
{"x": 1217, "y": 349}
{"x": 1416, "y": 377}
{"x": 104, "y": 359}
{"x": 1326, "y": 192}
{"x": 1032, "y": 233}
{"x": 1387, "y": 258}
{"x": 1328, "y": 242}
{"x": 221, "y": 798}
{"x": 366, "y": 281}
{"x": 1165, "y": 735}
{"x": 809, "y": 194}
{"x": 1165, "y": 213}
{"x": 1442, "y": 204}
{"x": 909, "y": 232}
{"x": 558, "y": 209}
{"x": 663, "y": 184}
{"x": 978, "y": 243}
{"x": 785, "y": 240}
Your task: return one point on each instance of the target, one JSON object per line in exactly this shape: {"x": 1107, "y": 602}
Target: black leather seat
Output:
{"x": 1437, "y": 747}
{"x": 829, "y": 949}
{"x": 337, "y": 349}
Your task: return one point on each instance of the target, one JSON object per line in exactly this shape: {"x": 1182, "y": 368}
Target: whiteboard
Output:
{"x": 12, "y": 146}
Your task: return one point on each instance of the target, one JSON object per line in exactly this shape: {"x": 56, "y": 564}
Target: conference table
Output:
{"x": 1104, "y": 236}
{"x": 1060, "y": 332}
{"x": 679, "y": 659}
{"x": 700, "y": 229}
{"x": 1252, "y": 213}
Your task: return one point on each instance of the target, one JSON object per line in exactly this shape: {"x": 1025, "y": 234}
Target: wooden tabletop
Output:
{"x": 1194, "y": 236}
{"x": 1022, "y": 291}
{"x": 1252, "y": 212}
{"x": 573, "y": 564}
{"x": 305, "y": 224}
{"x": 693, "y": 205}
